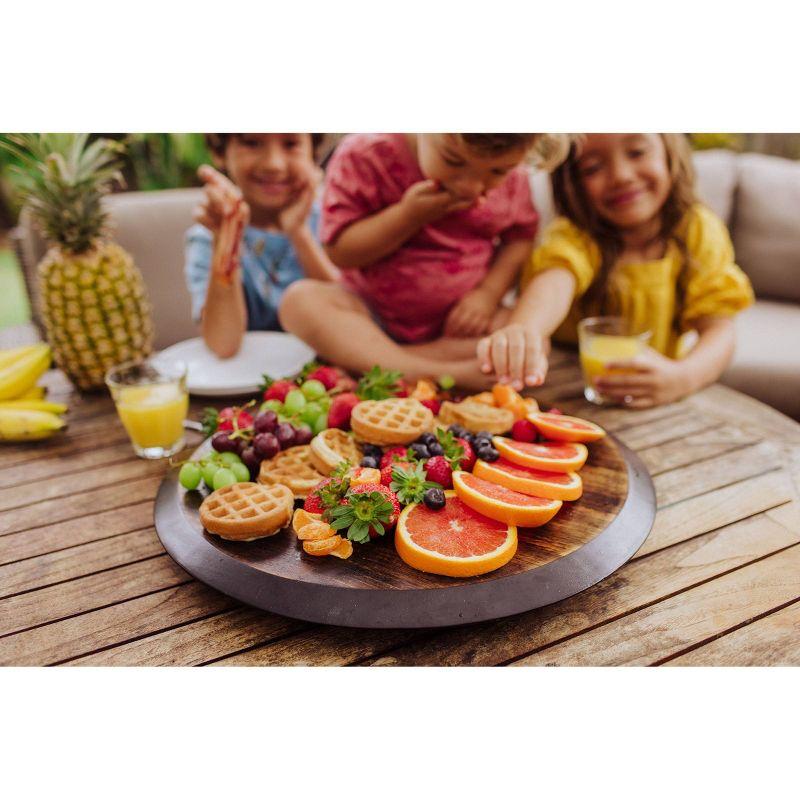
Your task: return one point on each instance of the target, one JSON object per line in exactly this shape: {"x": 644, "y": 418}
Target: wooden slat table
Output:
{"x": 84, "y": 579}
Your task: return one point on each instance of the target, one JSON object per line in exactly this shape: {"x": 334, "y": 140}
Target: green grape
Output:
{"x": 313, "y": 389}
{"x": 325, "y": 402}
{"x": 447, "y": 382}
{"x": 320, "y": 423}
{"x": 273, "y": 405}
{"x": 295, "y": 400}
{"x": 310, "y": 413}
{"x": 240, "y": 471}
{"x": 208, "y": 471}
{"x": 223, "y": 477}
{"x": 190, "y": 475}
{"x": 228, "y": 459}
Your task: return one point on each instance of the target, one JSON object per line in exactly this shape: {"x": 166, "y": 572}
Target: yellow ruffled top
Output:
{"x": 664, "y": 296}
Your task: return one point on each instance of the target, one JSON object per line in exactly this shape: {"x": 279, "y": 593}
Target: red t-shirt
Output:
{"x": 413, "y": 289}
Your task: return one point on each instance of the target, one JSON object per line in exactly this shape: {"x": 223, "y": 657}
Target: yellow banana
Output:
{"x": 15, "y": 353}
{"x": 23, "y": 425}
{"x": 34, "y": 405}
{"x": 34, "y": 393}
{"x": 19, "y": 376}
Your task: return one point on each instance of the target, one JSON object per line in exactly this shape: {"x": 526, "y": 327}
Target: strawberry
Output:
{"x": 394, "y": 454}
{"x": 313, "y": 502}
{"x": 411, "y": 485}
{"x": 341, "y": 408}
{"x": 365, "y": 512}
{"x": 439, "y": 471}
{"x": 523, "y": 430}
{"x": 328, "y": 492}
{"x": 386, "y": 472}
{"x": 433, "y": 404}
{"x": 467, "y": 460}
{"x": 231, "y": 417}
{"x": 278, "y": 390}
{"x": 327, "y": 376}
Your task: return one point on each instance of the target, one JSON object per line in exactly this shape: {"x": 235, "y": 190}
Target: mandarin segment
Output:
{"x": 322, "y": 547}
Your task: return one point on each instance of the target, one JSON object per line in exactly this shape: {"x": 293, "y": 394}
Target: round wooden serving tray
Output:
{"x": 586, "y": 541}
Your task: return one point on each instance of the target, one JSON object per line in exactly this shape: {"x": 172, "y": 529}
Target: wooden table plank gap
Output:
{"x": 269, "y": 640}
{"x": 711, "y": 457}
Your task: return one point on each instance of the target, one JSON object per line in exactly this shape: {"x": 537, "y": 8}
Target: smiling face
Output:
{"x": 267, "y": 167}
{"x": 625, "y": 177}
{"x": 466, "y": 174}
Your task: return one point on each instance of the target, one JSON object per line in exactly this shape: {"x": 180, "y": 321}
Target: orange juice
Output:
{"x": 153, "y": 415}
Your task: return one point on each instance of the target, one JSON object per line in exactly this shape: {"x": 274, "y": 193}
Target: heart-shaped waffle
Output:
{"x": 292, "y": 468}
{"x": 476, "y": 416}
{"x": 243, "y": 512}
{"x": 332, "y": 446}
{"x": 398, "y": 420}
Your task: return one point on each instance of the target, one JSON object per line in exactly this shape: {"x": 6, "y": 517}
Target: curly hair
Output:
{"x": 547, "y": 150}
{"x": 572, "y": 203}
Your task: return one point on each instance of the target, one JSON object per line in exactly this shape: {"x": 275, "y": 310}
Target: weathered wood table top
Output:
{"x": 84, "y": 579}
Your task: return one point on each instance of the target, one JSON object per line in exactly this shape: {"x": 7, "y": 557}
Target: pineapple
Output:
{"x": 93, "y": 300}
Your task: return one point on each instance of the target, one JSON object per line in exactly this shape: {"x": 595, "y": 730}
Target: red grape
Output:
{"x": 266, "y": 445}
{"x": 266, "y": 422}
{"x": 285, "y": 434}
{"x": 251, "y": 460}
{"x": 223, "y": 443}
{"x": 303, "y": 435}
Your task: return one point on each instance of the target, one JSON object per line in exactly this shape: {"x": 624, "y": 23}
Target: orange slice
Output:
{"x": 536, "y": 482}
{"x": 506, "y": 396}
{"x": 562, "y": 428}
{"x": 456, "y": 541}
{"x": 549, "y": 456}
{"x": 503, "y": 504}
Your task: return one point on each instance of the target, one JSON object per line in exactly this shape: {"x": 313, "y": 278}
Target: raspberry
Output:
{"x": 394, "y": 454}
{"x": 438, "y": 470}
{"x": 523, "y": 430}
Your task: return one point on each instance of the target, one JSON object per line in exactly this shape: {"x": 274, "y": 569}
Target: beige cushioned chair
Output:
{"x": 757, "y": 196}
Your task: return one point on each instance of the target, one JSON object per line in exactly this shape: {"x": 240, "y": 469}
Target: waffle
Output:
{"x": 245, "y": 511}
{"x": 398, "y": 420}
{"x": 476, "y": 416}
{"x": 292, "y": 468}
{"x": 332, "y": 446}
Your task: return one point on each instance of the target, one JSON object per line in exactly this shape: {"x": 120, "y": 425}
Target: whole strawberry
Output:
{"x": 523, "y": 430}
{"x": 393, "y": 454}
{"x": 231, "y": 417}
{"x": 313, "y": 502}
{"x": 341, "y": 408}
{"x": 327, "y": 376}
{"x": 438, "y": 470}
{"x": 366, "y": 511}
{"x": 278, "y": 390}
{"x": 467, "y": 460}
{"x": 328, "y": 492}
{"x": 433, "y": 404}
{"x": 386, "y": 472}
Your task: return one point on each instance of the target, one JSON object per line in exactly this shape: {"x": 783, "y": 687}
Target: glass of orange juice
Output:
{"x": 152, "y": 403}
{"x": 602, "y": 341}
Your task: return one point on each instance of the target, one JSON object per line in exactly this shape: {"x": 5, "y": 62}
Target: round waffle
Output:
{"x": 398, "y": 420}
{"x": 292, "y": 468}
{"x": 332, "y": 446}
{"x": 476, "y": 416}
{"x": 243, "y": 512}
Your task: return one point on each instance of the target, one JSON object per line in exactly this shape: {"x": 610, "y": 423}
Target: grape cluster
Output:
{"x": 216, "y": 471}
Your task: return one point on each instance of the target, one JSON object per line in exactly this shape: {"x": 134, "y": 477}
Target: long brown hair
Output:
{"x": 571, "y": 202}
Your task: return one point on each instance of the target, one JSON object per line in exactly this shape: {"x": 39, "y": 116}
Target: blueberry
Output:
{"x": 458, "y": 431}
{"x": 427, "y": 439}
{"x": 468, "y": 437}
{"x": 370, "y": 462}
{"x": 420, "y": 451}
{"x": 434, "y": 499}
{"x": 436, "y": 449}
{"x": 483, "y": 435}
{"x": 487, "y": 453}
{"x": 479, "y": 440}
{"x": 373, "y": 451}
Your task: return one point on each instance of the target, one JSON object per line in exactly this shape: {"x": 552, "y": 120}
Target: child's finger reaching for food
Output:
{"x": 647, "y": 380}
{"x": 516, "y": 354}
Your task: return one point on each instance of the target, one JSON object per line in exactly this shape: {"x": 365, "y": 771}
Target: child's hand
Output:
{"x": 517, "y": 355}
{"x": 652, "y": 379}
{"x": 220, "y": 196}
{"x": 296, "y": 213}
{"x": 426, "y": 201}
{"x": 471, "y": 315}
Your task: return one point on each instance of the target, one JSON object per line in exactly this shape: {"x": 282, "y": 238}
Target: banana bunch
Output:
{"x": 25, "y": 415}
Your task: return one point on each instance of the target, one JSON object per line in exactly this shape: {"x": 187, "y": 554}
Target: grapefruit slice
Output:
{"x": 503, "y": 504}
{"x": 456, "y": 541}
{"x": 550, "y": 456}
{"x": 562, "y": 428}
{"x": 536, "y": 482}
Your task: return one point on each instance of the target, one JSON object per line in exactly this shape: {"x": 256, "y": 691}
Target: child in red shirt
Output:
{"x": 430, "y": 231}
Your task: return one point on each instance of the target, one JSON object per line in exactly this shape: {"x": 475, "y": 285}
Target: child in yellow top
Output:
{"x": 631, "y": 241}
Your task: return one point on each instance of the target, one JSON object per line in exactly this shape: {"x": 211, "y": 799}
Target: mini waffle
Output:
{"x": 332, "y": 446}
{"x": 398, "y": 420}
{"x": 476, "y": 416}
{"x": 245, "y": 511}
{"x": 292, "y": 468}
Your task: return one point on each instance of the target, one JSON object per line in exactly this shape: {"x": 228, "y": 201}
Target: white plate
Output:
{"x": 262, "y": 352}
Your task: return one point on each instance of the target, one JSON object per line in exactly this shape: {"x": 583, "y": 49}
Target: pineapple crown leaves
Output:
{"x": 453, "y": 451}
{"x": 378, "y": 384}
{"x": 360, "y": 513}
{"x": 410, "y": 485}
{"x": 63, "y": 182}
